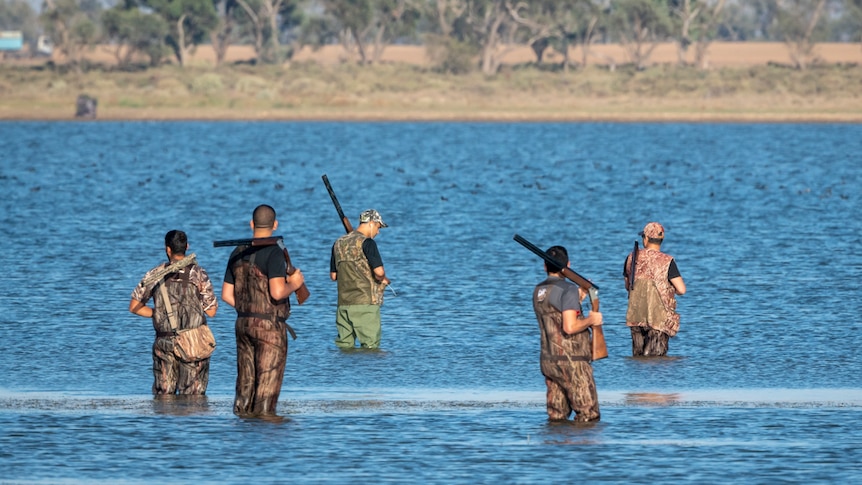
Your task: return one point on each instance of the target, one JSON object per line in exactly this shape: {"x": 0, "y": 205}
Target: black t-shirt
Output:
{"x": 672, "y": 270}
{"x": 369, "y": 249}
{"x": 270, "y": 260}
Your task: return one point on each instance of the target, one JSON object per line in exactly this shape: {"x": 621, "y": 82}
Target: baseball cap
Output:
{"x": 653, "y": 230}
{"x": 372, "y": 215}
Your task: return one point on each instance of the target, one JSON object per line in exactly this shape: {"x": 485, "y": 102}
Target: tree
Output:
{"x": 267, "y": 17}
{"x": 695, "y": 23}
{"x": 796, "y": 25}
{"x": 132, "y": 31}
{"x": 451, "y": 47}
{"x": 491, "y": 23}
{"x": 366, "y": 27}
{"x": 537, "y": 18}
{"x": 189, "y": 23}
{"x": 71, "y": 24}
{"x": 640, "y": 25}
{"x": 854, "y": 9}
{"x": 222, "y": 35}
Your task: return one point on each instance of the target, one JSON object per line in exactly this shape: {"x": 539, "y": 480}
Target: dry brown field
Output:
{"x": 721, "y": 54}
{"x": 744, "y": 82}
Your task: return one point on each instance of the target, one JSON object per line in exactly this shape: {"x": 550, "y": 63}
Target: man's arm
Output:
{"x": 289, "y": 284}
{"x": 209, "y": 302}
{"x": 675, "y": 278}
{"x": 227, "y": 295}
{"x": 380, "y": 275}
{"x": 678, "y": 285}
{"x": 140, "y": 308}
{"x": 369, "y": 248}
{"x": 572, "y": 323}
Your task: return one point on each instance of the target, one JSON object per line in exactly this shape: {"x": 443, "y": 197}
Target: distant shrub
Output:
{"x": 209, "y": 83}
{"x": 450, "y": 56}
{"x": 251, "y": 85}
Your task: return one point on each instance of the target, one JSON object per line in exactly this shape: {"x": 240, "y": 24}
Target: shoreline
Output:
{"x": 500, "y": 120}
{"x": 417, "y": 116}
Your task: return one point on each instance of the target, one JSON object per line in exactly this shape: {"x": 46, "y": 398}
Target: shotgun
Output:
{"x": 171, "y": 268}
{"x": 599, "y": 347}
{"x": 302, "y": 292}
{"x": 344, "y": 220}
{"x": 633, "y": 264}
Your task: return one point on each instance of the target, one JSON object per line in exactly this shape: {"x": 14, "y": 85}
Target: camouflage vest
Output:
{"x": 251, "y": 293}
{"x": 184, "y": 300}
{"x": 652, "y": 301}
{"x": 558, "y": 348}
{"x": 356, "y": 282}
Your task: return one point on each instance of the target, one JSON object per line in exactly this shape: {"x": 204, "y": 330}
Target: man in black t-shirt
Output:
{"x": 257, "y": 285}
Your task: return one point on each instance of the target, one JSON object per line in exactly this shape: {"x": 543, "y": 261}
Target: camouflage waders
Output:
{"x": 261, "y": 341}
{"x": 651, "y": 310}
{"x": 565, "y": 363}
{"x": 170, "y": 374}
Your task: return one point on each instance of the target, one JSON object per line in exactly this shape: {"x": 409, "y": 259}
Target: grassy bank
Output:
{"x": 310, "y": 90}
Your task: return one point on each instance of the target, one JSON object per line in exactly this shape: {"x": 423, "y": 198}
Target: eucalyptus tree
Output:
{"x": 450, "y": 45}
{"x": 695, "y": 22}
{"x": 131, "y": 31}
{"x": 640, "y": 25}
{"x": 72, "y": 26}
{"x": 578, "y": 22}
{"x": 189, "y": 23}
{"x": 266, "y": 18}
{"x": 366, "y": 27}
{"x": 537, "y": 19}
{"x": 854, "y": 10}
{"x": 493, "y": 29}
{"x": 224, "y": 34}
{"x": 797, "y": 24}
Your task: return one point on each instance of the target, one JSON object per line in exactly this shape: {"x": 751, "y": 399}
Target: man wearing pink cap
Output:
{"x": 651, "y": 313}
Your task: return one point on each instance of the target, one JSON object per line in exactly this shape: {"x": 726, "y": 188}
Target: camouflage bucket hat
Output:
{"x": 653, "y": 230}
{"x": 372, "y": 215}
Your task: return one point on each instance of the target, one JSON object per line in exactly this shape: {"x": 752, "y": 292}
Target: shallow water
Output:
{"x": 763, "y": 380}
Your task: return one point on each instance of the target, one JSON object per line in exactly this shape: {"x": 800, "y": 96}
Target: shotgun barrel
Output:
{"x": 348, "y": 227}
{"x": 302, "y": 292}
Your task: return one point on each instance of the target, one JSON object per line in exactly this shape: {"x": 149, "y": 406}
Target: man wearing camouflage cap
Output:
{"x": 651, "y": 313}
{"x": 356, "y": 266}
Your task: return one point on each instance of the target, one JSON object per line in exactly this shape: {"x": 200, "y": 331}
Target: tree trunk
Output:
{"x": 702, "y": 44}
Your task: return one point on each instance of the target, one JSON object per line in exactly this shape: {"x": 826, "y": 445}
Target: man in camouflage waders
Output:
{"x": 356, "y": 266}
{"x": 190, "y": 298}
{"x": 257, "y": 285}
{"x": 651, "y": 313}
{"x": 566, "y": 350}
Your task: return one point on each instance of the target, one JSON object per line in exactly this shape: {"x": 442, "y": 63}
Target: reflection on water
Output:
{"x": 762, "y": 379}
{"x": 651, "y": 398}
{"x": 181, "y": 405}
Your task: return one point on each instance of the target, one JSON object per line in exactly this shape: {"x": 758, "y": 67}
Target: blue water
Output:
{"x": 763, "y": 380}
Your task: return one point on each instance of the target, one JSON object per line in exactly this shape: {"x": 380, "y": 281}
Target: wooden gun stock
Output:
{"x": 348, "y": 227}
{"x": 302, "y": 292}
{"x": 598, "y": 344}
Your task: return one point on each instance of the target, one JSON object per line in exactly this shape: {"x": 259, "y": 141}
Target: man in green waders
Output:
{"x": 358, "y": 269}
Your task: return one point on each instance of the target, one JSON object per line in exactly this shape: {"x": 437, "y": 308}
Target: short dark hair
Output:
{"x": 654, "y": 240}
{"x": 263, "y": 217}
{"x": 559, "y": 254}
{"x": 177, "y": 241}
